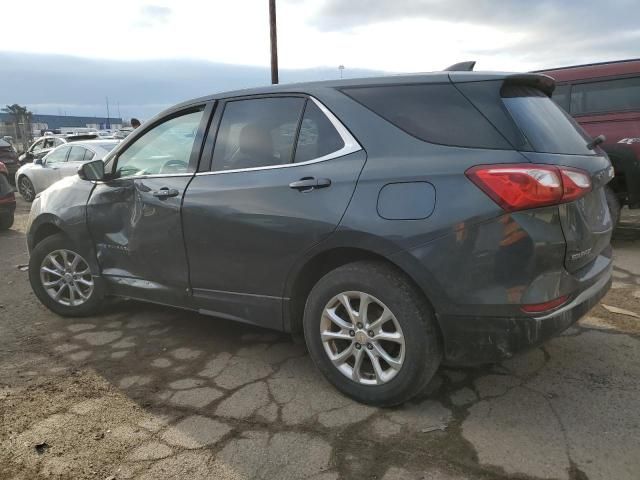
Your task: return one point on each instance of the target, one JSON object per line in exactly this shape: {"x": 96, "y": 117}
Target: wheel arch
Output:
{"x": 302, "y": 280}
{"x": 44, "y": 228}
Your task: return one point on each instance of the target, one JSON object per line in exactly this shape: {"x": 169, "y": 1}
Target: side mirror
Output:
{"x": 37, "y": 161}
{"x": 92, "y": 171}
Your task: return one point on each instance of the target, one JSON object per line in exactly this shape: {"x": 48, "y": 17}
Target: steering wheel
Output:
{"x": 174, "y": 166}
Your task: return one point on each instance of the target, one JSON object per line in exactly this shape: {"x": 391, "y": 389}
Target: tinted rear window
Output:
{"x": 436, "y": 113}
{"x": 606, "y": 96}
{"x": 548, "y": 128}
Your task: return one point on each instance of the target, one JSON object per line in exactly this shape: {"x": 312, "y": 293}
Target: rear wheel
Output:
{"x": 614, "y": 205}
{"x": 62, "y": 278}
{"x": 371, "y": 333}
{"x": 26, "y": 188}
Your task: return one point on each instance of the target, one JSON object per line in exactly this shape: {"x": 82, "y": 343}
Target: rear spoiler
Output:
{"x": 540, "y": 81}
{"x": 81, "y": 136}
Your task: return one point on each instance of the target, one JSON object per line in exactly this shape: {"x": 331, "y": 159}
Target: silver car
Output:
{"x": 63, "y": 161}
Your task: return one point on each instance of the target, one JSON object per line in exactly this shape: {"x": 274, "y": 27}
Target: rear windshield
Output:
{"x": 548, "y": 128}
{"x": 435, "y": 113}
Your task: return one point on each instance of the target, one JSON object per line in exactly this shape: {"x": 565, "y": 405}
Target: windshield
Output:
{"x": 547, "y": 127}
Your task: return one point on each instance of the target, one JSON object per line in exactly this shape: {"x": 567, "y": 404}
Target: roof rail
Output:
{"x": 461, "y": 67}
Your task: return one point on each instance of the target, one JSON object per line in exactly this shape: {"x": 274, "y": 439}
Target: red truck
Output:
{"x": 604, "y": 98}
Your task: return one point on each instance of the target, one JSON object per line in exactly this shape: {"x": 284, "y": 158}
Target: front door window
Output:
{"x": 163, "y": 150}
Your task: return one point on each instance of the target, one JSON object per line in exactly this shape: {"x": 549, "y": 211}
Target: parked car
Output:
{"x": 7, "y": 199}
{"x": 105, "y": 134}
{"x": 60, "y": 162}
{"x": 44, "y": 145}
{"x": 604, "y": 98}
{"x": 397, "y": 222}
{"x": 9, "y": 157}
{"x": 122, "y": 132}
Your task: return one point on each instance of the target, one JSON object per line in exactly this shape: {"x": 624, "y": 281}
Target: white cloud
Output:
{"x": 398, "y": 35}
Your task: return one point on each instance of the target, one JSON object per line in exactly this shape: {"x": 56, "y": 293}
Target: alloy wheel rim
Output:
{"x": 66, "y": 277}
{"x": 362, "y": 338}
{"x": 27, "y": 188}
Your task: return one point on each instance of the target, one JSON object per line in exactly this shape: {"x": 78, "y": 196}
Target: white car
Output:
{"x": 62, "y": 161}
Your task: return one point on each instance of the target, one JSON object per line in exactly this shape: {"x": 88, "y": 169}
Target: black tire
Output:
{"x": 614, "y": 205}
{"x": 6, "y": 221}
{"x": 26, "y": 188}
{"x": 95, "y": 301}
{"x": 386, "y": 284}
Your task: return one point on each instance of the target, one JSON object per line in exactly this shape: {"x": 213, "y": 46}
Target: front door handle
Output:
{"x": 165, "y": 193}
{"x": 307, "y": 184}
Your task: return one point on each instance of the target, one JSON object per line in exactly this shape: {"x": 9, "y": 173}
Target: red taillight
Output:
{"x": 546, "y": 306}
{"x": 576, "y": 183}
{"x": 525, "y": 186}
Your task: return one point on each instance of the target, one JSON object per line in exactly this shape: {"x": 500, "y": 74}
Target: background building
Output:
{"x": 57, "y": 122}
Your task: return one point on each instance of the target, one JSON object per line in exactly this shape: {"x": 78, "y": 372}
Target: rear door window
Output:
{"x": 606, "y": 96}
{"x": 257, "y": 133}
{"x": 548, "y": 128}
{"x": 435, "y": 113}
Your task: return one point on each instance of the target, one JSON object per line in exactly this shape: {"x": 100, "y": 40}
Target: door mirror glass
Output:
{"x": 92, "y": 171}
{"x": 37, "y": 161}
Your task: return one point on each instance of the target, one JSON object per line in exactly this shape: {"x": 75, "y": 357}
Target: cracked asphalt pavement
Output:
{"x": 148, "y": 392}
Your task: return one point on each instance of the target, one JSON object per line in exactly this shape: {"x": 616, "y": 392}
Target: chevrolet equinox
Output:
{"x": 397, "y": 223}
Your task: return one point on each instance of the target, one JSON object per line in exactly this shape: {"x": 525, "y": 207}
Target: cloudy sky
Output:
{"x": 147, "y": 54}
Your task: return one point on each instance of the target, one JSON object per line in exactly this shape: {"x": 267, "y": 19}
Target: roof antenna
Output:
{"x": 461, "y": 67}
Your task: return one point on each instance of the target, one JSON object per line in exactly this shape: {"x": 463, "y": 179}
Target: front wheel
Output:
{"x": 62, "y": 278}
{"x": 371, "y": 333}
{"x": 26, "y": 188}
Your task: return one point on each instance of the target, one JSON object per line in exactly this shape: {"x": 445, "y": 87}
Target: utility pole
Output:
{"x": 274, "y": 41}
{"x": 108, "y": 121}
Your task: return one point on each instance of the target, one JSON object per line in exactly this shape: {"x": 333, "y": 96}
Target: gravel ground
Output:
{"x": 149, "y": 392}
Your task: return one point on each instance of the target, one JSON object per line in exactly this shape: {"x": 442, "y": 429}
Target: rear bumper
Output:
{"x": 473, "y": 340}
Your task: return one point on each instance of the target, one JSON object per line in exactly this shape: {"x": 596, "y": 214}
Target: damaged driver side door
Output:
{"x": 134, "y": 215}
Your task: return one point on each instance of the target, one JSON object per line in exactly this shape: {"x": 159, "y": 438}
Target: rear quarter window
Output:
{"x": 435, "y": 113}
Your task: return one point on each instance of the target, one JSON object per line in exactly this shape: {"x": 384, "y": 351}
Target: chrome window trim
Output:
{"x": 142, "y": 177}
{"x": 351, "y": 145}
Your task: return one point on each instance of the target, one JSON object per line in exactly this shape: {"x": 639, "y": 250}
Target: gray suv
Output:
{"x": 398, "y": 223}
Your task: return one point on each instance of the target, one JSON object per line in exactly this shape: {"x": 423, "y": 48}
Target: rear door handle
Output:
{"x": 166, "y": 193}
{"x": 307, "y": 184}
